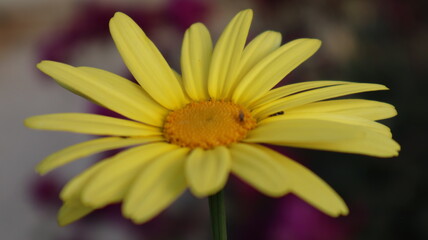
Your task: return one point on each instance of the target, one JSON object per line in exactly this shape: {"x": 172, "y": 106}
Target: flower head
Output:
{"x": 192, "y": 130}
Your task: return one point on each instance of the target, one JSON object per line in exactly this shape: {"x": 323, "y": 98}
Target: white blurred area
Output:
{"x": 25, "y": 92}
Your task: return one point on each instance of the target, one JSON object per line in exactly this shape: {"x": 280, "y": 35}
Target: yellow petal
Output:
{"x": 157, "y": 186}
{"x": 129, "y": 98}
{"x": 227, "y": 54}
{"x": 309, "y": 186}
{"x": 72, "y": 211}
{"x": 207, "y": 170}
{"x": 107, "y": 89}
{"x": 146, "y": 63}
{"x": 302, "y": 130}
{"x": 113, "y": 181}
{"x": 273, "y": 68}
{"x": 256, "y": 50}
{"x": 87, "y": 148}
{"x": 310, "y": 96}
{"x": 368, "y": 109}
{"x": 256, "y": 167}
{"x": 289, "y": 89}
{"x": 180, "y": 81}
{"x": 195, "y": 61}
{"x": 334, "y": 118}
{"x": 370, "y": 143}
{"x": 73, "y": 189}
{"x": 90, "y": 124}
{"x": 327, "y": 132}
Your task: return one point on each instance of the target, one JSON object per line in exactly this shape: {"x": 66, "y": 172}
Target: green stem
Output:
{"x": 218, "y": 216}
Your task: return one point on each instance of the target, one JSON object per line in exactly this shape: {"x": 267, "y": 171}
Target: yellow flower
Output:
{"x": 192, "y": 130}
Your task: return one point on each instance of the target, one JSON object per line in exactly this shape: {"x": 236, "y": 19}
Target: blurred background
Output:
{"x": 381, "y": 41}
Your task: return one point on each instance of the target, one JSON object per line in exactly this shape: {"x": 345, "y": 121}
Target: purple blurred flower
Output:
{"x": 296, "y": 220}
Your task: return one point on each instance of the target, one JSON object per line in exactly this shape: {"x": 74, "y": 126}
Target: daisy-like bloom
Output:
{"x": 192, "y": 130}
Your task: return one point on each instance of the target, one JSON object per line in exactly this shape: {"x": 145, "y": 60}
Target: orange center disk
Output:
{"x": 208, "y": 124}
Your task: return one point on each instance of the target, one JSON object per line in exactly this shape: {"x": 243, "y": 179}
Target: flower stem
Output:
{"x": 218, "y": 216}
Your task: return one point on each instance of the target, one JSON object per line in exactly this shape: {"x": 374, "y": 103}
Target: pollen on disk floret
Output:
{"x": 207, "y": 124}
